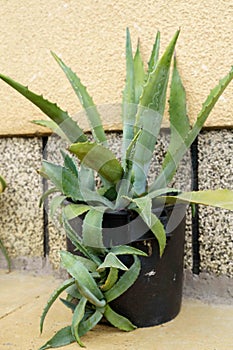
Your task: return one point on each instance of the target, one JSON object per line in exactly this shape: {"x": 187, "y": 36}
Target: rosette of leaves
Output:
{"x": 95, "y": 282}
{"x": 123, "y": 183}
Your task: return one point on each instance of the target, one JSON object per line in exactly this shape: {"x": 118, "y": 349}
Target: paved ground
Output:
{"x": 199, "y": 326}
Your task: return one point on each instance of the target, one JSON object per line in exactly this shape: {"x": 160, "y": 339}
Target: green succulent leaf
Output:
{"x": 144, "y": 205}
{"x": 61, "y": 118}
{"x": 72, "y": 235}
{"x": 68, "y": 304}
{"x": 98, "y": 158}
{"x": 154, "y": 92}
{"x": 73, "y": 293}
{"x": 173, "y": 160}
{"x": 90, "y": 265}
{"x": 117, "y": 320}
{"x": 81, "y": 274}
{"x": 69, "y": 163}
{"x": 78, "y": 315}
{"x": 89, "y": 323}
{"x": 221, "y": 198}
{"x": 139, "y": 74}
{"x": 55, "y": 203}
{"x": 86, "y": 179}
{"x": 86, "y": 101}
{"x": 154, "y": 54}
{"x": 127, "y": 250}
{"x": 2, "y": 184}
{"x": 149, "y": 116}
{"x": 110, "y": 280}
{"x": 52, "y": 299}
{"x": 72, "y": 211}
{"x": 179, "y": 122}
{"x": 63, "y": 179}
{"x": 125, "y": 281}
{"x": 53, "y": 126}
{"x": 63, "y": 337}
{"x": 85, "y": 292}
{"x": 111, "y": 260}
{"x": 46, "y": 194}
{"x": 128, "y": 97}
{"x": 92, "y": 228}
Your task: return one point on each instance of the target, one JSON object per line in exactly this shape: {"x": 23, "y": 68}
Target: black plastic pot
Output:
{"x": 156, "y": 296}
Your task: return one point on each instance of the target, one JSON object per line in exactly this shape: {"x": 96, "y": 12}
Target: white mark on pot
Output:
{"x": 151, "y": 273}
{"x": 174, "y": 277}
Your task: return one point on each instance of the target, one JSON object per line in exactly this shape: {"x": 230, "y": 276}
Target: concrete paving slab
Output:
{"x": 199, "y": 326}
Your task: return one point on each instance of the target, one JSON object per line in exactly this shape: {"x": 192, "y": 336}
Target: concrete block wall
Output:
{"x": 32, "y": 244}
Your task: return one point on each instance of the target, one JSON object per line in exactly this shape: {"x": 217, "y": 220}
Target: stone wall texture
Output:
{"x": 22, "y": 224}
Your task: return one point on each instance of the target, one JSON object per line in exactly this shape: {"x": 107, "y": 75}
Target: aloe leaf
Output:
{"x": 208, "y": 106}
{"x": 68, "y": 304}
{"x": 179, "y": 122}
{"x": 144, "y": 205}
{"x": 110, "y": 280}
{"x": 139, "y": 74}
{"x": 127, "y": 250}
{"x": 149, "y": 116}
{"x": 90, "y": 265}
{"x": 77, "y": 318}
{"x": 63, "y": 179}
{"x": 117, "y": 320}
{"x": 86, "y": 101}
{"x": 154, "y": 92}
{"x": 77, "y": 270}
{"x": 128, "y": 98}
{"x": 86, "y": 179}
{"x": 2, "y": 184}
{"x": 110, "y": 261}
{"x": 63, "y": 337}
{"x": 125, "y": 281}
{"x": 52, "y": 299}
{"x": 125, "y": 186}
{"x": 92, "y": 228}
{"x": 221, "y": 198}
{"x": 61, "y": 118}
{"x": 72, "y": 235}
{"x": 53, "y": 126}
{"x": 55, "y": 203}
{"x": 69, "y": 163}
{"x": 90, "y": 323}
{"x": 46, "y": 194}
{"x": 5, "y": 253}
{"x": 173, "y": 160}
{"x": 98, "y": 158}
{"x": 71, "y": 211}
{"x": 154, "y": 54}
{"x": 85, "y": 292}
{"x": 73, "y": 292}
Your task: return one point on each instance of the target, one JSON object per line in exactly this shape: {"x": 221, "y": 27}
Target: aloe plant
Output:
{"x": 123, "y": 182}
{"x": 2, "y": 247}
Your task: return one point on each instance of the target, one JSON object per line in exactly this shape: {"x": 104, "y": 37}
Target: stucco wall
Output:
{"x": 90, "y": 37}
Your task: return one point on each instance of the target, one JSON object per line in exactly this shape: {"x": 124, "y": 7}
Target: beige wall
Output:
{"x": 90, "y": 37}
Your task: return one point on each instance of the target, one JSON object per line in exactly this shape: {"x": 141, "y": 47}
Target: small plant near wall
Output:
{"x": 120, "y": 227}
{"x": 2, "y": 248}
